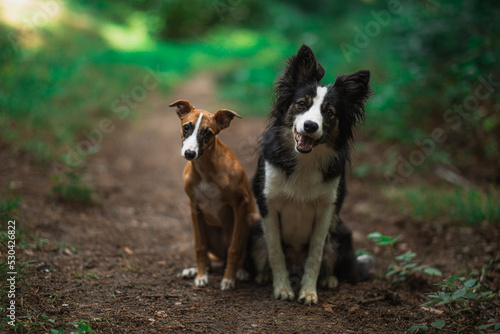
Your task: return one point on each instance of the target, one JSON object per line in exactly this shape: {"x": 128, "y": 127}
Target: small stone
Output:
{"x": 161, "y": 314}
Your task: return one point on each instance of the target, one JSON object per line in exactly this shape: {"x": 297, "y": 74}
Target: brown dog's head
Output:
{"x": 199, "y": 127}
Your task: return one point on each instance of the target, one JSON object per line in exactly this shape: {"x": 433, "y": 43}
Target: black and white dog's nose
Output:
{"x": 310, "y": 126}
{"x": 189, "y": 154}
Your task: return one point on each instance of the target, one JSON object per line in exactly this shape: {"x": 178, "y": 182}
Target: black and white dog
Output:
{"x": 300, "y": 180}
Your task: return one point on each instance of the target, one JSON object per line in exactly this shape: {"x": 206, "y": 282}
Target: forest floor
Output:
{"x": 115, "y": 266}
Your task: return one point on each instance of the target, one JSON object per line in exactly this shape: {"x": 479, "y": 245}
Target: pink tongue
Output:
{"x": 305, "y": 142}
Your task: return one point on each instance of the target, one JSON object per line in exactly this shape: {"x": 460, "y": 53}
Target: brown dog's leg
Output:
{"x": 201, "y": 247}
{"x": 236, "y": 248}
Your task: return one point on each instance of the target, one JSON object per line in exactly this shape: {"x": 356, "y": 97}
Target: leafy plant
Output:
{"x": 402, "y": 266}
{"x": 465, "y": 297}
{"x": 81, "y": 326}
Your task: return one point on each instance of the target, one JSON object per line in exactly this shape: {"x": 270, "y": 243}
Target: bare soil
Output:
{"x": 130, "y": 249}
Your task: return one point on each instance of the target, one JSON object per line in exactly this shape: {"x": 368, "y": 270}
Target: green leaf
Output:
{"x": 419, "y": 268}
{"x": 433, "y": 295}
{"x": 375, "y": 236}
{"x": 392, "y": 272}
{"x": 406, "y": 256}
{"x": 470, "y": 283}
{"x": 438, "y": 324}
{"x": 459, "y": 294}
{"x": 418, "y": 329}
{"x": 443, "y": 296}
{"x": 409, "y": 265}
{"x": 433, "y": 271}
{"x": 431, "y": 302}
{"x": 489, "y": 325}
{"x": 472, "y": 295}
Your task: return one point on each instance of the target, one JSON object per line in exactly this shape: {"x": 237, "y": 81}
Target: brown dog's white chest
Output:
{"x": 209, "y": 199}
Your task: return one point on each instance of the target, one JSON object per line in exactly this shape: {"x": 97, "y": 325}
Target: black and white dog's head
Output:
{"x": 318, "y": 114}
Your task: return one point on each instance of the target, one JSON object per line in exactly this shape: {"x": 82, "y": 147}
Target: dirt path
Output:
{"x": 124, "y": 275}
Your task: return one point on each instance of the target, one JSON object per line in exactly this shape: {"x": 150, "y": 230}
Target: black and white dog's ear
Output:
{"x": 356, "y": 90}
{"x": 303, "y": 67}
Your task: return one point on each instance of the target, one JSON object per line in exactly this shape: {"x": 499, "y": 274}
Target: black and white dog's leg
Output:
{"x": 324, "y": 213}
{"x": 281, "y": 282}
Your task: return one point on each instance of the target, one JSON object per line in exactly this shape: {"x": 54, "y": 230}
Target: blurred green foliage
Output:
{"x": 425, "y": 56}
{"x": 469, "y": 206}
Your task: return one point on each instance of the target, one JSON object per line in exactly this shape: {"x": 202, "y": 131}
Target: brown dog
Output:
{"x": 222, "y": 206}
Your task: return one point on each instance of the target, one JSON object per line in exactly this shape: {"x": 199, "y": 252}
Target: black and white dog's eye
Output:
{"x": 208, "y": 135}
{"x": 301, "y": 104}
{"x": 330, "y": 113}
{"x": 186, "y": 127}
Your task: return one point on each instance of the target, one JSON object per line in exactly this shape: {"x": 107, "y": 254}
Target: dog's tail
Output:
{"x": 257, "y": 263}
{"x": 349, "y": 267}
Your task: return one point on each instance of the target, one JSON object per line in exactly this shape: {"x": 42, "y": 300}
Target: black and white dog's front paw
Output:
{"x": 308, "y": 296}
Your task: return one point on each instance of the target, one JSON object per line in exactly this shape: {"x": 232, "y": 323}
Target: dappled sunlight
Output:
{"x": 131, "y": 37}
{"x": 27, "y": 17}
{"x": 30, "y": 14}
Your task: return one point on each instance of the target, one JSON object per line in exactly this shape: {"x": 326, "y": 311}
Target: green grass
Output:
{"x": 73, "y": 188}
{"x": 462, "y": 206}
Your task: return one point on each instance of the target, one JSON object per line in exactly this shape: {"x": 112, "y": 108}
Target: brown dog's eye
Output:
{"x": 330, "y": 113}
{"x": 186, "y": 127}
{"x": 208, "y": 135}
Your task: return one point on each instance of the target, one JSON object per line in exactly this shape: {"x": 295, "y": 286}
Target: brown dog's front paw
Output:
{"x": 227, "y": 284}
{"x": 308, "y": 297}
{"x": 201, "y": 281}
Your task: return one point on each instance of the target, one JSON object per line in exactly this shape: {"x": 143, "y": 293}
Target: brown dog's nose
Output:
{"x": 189, "y": 154}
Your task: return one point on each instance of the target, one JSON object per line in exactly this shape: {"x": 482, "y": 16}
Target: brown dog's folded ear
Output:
{"x": 224, "y": 117}
{"x": 184, "y": 107}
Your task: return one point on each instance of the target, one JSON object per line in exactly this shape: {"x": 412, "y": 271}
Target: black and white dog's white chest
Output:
{"x": 301, "y": 196}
